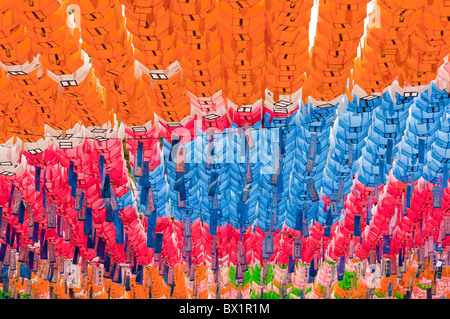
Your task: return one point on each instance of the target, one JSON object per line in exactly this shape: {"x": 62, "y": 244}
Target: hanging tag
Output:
{"x": 393, "y": 221}
{"x": 264, "y": 254}
{"x": 389, "y": 148}
{"x": 245, "y": 193}
{"x": 265, "y": 271}
{"x": 248, "y": 136}
{"x": 299, "y": 220}
{"x": 151, "y": 235}
{"x": 431, "y": 243}
{"x": 67, "y": 230}
{"x": 408, "y": 196}
{"x": 17, "y": 201}
{"x": 35, "y": 232}
{"x": 447, "y": 260}
{"x": 447, "y": 225}
{"x": 51, "y": 217}
{"x": 35, "y": 261}
{"x": 239, "y": 274}
{"x": 101, "y": 166}
{"x": 392, "y": 266}
{"x": 181, "y": 197}
{"x": 150, "y": 203}
{"x": 170, "y": 276}
{"x": 6, "y": 256}
{"x": 21, "y": 216}
{"x": 179, "y": 182}
{"x": 382, "y": 174}
{"x": 312, "y": 272}
{"x": 117, "y": 277}
{"x": 82, "y": 212}
{"x": 180, "y": 166}
{"x": 184, "y": 247}
{"x": 78, "y": 199}
{"x": 113, "y": 201}
{"x": 75, "y": 255}
{"x": 192, "y": 273}
{"x": 275, "y": 176}
{"x": 215, "y": 204}
{"x": 244, "y": 260}
{"x": 386, "y": 245}
{"x": 378, "y": 253}
{"x": 311, "y": 153}
{"x": 351, "y": 249}
{"x": 23, "y": 252}
{"x": 28, "y": 287}
{"x": 119, "y": 232}
{"x": 421, "y": 151}
{"x": 4, "y": 227}
{"x": 239, "y": 248}
{"x": 297, "y": 248}
{"x": 340, "y": 194}
{"x": 13, "y": 260}
{"x": 60, "y": 225}
{"x": 333, "y": 206}
{"x": 188, "y": 244}
{"x": 433, "y": 261}
{"x": 11, "y": 195}
{"x": 313, "y": 147}
{"x": 70, "y": 172}
{"x": 440, "y": 235}
{"x": 158, "y": 243}
{"x": 106, "y": 191}
{"x": 291, "y": 264}
{"x": 377, "y": 183}
{"x": 305, "y": 273}
{"x": 305, "y": 228}
{"x": 13, "y": 236}
{"x": 369, "y": 211}
{"x": 213, "y": 184}
{"x": 187, "y": 227}
{"x": 350, "y": 155}
{"x": 139, "y": 153}
{"x": 372, "y": 257}
{"x": 109, "y": 213}
{"x": 248, "y": 174}
{"x": 214, "y": 259}
{"x": 8, "y": 234}
{"x": 30, "y": 215}
{"x": 312, "y": 190}
{"x": 214, "y": 245}
{"x": 341, "y": 268}
{"x": 357, "y": 226}
{"x": 436, "y": 197}
{"x": 138, "y": 170}
{"x": 88, "y": 222}
{"x": 421, "y": 254}
{"x": 73, "y": 185}
{"x": 213, "y": 222}
{"x": 51, "y": 252}
{"x": 269, "y": 244}
{"x": 327, "y": 230}
{"x": 445, "y": 176}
